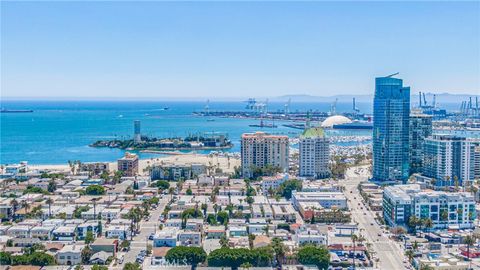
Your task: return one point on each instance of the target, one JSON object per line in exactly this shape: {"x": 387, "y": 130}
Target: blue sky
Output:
{"x": 236, "y": 49}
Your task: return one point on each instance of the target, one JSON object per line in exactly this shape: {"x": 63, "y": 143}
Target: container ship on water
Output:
{"x": 354, "y": 125}
{"x": 15, "y": 111}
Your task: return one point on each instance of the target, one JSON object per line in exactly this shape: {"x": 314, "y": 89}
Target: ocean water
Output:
{"x": 58, "y": 131}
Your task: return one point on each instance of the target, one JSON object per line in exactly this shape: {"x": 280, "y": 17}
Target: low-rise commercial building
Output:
{"x": 325, "y": 199}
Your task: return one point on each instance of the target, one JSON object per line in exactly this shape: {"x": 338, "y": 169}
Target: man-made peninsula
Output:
{"x": 191, "y": 142}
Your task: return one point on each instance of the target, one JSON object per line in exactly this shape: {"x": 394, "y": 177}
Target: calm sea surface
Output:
{"x": 58, "y": 131}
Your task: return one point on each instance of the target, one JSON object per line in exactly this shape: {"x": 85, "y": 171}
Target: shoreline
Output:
{"x": 223, "y": 162}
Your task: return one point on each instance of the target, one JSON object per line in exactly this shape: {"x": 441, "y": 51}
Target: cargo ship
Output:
{"x": 15, "y": 111}
{"x": 263, "y": 125}
{"x": 354, "y": 125}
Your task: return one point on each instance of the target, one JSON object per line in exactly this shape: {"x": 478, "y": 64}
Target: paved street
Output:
{"x": 389, "y": 252}
{"x": 139, "y": 242}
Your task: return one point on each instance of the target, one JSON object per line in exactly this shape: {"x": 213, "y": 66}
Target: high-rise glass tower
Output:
{"x": 420, "y": 129}
{"x": 391, "y": 115}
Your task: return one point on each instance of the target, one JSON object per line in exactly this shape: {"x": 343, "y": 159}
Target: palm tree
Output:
{"x": 265, "y": 229}
{"x": 409, "y": 253}
{"x": 469, "y": 241}
{"x": 94, "y": 200}
{"x": 49, "y": 201}
{"x": 354, "y": 238}
{"x": 224, "y": 241}
{"x": 25, "y": 205}
{"x": 444, "y": 215}
{"x": 14, "y": 205}
{"x": 428, "y": 223}
{"x": 415, "y": 245}
{"x": 413, "y": 222}
{"x": 171, "y": 190}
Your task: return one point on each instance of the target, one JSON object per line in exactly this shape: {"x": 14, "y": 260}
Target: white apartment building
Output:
{"x": 455, "y": 210}
{"x": 310, "y": 236}
{"x": 314, "y": 154}
{"x": 450, "y": 160}
{"x": 189, "y": 238}
{"x": 325, "y": 199}
{"x": 446, "y": 210}
{"x": 259, "y": 150}
{"x": 273, "y": 182}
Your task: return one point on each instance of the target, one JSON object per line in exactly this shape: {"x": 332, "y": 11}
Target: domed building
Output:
{"x": 335, "y": 120}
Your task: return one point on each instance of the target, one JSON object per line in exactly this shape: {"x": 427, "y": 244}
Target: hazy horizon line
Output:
{"x": 198, "y": 98}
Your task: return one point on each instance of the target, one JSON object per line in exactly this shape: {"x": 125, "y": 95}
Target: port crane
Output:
{"x": 260, "y": 107}
{"x": 287, "y": 107}
{"x": 355, "y": 109}
{"x": 207, "y": 107}
{"x": 333, "y": 108}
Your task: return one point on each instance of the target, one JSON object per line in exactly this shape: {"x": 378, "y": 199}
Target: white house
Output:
{"x": 70, "y": 255}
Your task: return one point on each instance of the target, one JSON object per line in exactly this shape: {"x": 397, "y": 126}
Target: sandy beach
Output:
{"x": 227, "y": 164}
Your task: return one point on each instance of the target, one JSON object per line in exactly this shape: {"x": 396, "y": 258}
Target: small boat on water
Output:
{"x": 15, "y": 111}
{"x": 263, "y": 125}
{"x": 210, "y": 120}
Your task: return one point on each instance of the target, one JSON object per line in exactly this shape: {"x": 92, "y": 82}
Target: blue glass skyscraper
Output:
{"x": 391, "y": 110}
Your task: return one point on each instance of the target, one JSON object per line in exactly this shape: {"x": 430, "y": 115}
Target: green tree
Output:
{"x": 95, "y": 190}
{"x": 52, "y": 186}
{"x": 223, "y": 241}
{"x": 105, "y": 176}
{"x": 222, "y": 217}
{"x": 192, "y": 213}
{"x": 100, "y": 227}
{"x": 413, "y": 222}
{"x": 204, "y": 209}
{"x": 443, "y": 215}
{"x": 428, "y": 223}
{"x": 32, "y": 189}
{"x": 41, "y": 259}
{"x": 132, "y": 266}
{"x": 227, "y": 257}
{"x": 125, "y": 244}
{"x": 283, "y": 226}
{"x": 189, "y": 191}
{"x": 99, "y": 267}
{"x": 314, "y": 255}
{"x": 162, "y": 184}
{"x": 49, "y": 201}
{"x": 5, "y": 258}
{"x": 251, "y": 238}
{"x": 86, "y": 254}
{"x": 263, "y": 256}
{"x": 77, "y": 213}
{"x": 211, "y": 219}
{"x": 89, "y": 237}
{"x": 192, "y": 255}
{"x": 469, "y": 241}
{"x": 410, "y": 254}
{"x": 279, "y": 249}
{"x": 288, "y": 186}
